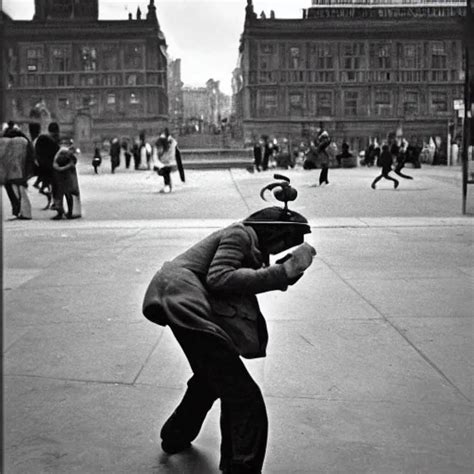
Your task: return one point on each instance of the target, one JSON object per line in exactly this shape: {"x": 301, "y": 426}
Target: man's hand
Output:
{"x": 301, "y": 258}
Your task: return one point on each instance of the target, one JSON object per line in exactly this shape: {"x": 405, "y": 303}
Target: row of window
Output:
{"x": 322, "y": 103}
{"x": 108, "y": 101}
{"x": 428, "y": 11}
{"x": 359, "y": 55}
{"x": 86, "y": 80}
{"x": 69, "y": 57}
{"x": 309, "y": 76}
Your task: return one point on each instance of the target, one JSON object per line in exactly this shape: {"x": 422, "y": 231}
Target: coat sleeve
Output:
{"x": 227, "y": 272}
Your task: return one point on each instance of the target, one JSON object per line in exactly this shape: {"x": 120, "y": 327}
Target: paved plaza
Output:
{"x": 370, "y": 360}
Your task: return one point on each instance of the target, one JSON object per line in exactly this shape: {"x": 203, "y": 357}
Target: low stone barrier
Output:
{"x": 217, "y": 158}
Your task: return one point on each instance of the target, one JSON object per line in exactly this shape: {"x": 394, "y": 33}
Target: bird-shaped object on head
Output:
{"x": 282, "y": 190}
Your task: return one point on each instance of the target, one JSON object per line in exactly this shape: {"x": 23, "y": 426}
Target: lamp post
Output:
{"x": 468, "y": 93}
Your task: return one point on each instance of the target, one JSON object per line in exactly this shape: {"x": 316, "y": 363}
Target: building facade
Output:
{"x": 364, "y": 68}
{"x": 205, "y": 107}
{"x": 96, "y": 78}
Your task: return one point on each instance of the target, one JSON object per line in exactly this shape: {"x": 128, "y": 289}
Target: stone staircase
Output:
{"x": 217, "y": 158}
{"x": 207, "y": 141}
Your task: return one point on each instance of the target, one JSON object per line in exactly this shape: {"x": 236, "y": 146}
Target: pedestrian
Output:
{"x": 267, "y": 153}
{"x": 400, "y": 159}
{"x": 64, "y": 166}
{"x": 114, "y": 154}
{"x": 145, "y": 150}
{"x": 136, "y": 154}
{"x": 323, "y": 157}
{"x": 386, "y": 161}
{"x": 258, "y": 152}
{"x": 309, "y": 162}
{"x": 369, "y": 157}
{"x": 165, "y": 160}
{"x": 127, "y": 155}
{"x": 207, "y": 296}
{"x": 46, "y": 147}
{"x": 17, "y": 167}
{"x": 284, "y": 158}
{"x": 345, "y": 157}
{"x": 96, "y": 160}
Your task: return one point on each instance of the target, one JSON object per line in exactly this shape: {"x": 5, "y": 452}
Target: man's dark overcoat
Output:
{"x": 212, "y": 288}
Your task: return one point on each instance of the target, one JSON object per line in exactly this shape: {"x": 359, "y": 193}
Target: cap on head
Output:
{"x": 278, "y": 216}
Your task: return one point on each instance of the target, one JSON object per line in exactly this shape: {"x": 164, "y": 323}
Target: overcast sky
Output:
{"x": 203, "y": 33}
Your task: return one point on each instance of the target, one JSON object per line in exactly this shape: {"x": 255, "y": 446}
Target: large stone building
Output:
{"x": 362, "y": 67}
{"x": 205, "y": 106}
{"x": 97, "y": 78}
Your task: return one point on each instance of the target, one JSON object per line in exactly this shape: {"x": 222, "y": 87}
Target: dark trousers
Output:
{"x": 323, "y": 176}
{"x": 14, "y": 198}
{"x": 398, "y": 170}
{"x": 128, "y": 158}
{"x": 258, "y": 162}
{"x": 384, "y": 175}
{"x": 166, "y": 173}
{"x": 136, "y": 160}
{"x": 219, "y": 373}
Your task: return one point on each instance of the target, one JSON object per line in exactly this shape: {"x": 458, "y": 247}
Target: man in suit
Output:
{"x": 207, "y": 296}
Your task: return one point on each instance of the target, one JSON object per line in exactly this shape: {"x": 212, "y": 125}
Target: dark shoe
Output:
{"x": 173, "y": 447}
{"x": 72, "y": 217}
{"x": 396, "y": 184}
{"x": 23, "y": 218}
{"x": 372, "y": 185}
{"x": 57, "y": 218}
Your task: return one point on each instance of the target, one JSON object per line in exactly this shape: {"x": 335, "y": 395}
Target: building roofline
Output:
{"x": 431, "y": 4}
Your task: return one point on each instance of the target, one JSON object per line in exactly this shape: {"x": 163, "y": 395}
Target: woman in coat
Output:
{"x": 207, "y": 296}
{"x": 65, "y": 173}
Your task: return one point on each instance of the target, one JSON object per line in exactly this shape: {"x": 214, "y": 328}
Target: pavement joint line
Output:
{"x": 238, "y": 189}
{"x": 405, "y": 337}
{"x": 340, "y": 400}
{"x": 63, "y": 379}
{"x": 267, "y": 395}
{"x": 158, "y": 340}
{"x": 166, "y": 224}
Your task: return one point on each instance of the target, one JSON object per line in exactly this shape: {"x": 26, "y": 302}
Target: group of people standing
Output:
{"x": 322, "y": 153}
{"x": 53, "y": 162}
{"x": 163, "y": 157}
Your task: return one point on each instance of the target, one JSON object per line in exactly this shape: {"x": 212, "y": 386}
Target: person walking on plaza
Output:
{"x": 136, "y": 154}
{"x": 64, "y": 166}
{"x": 167, "y": 158}
{"x": 386, "y": 161}
{"x": 345, "y": 156}
{"x": 115, "y": 154}
{"x": 267, "y": 153}
{"x": 46, "y": 147}
{"x": 400, "y": 153}
{"x": 207, "y": 296}
{"x": 322, "y": 156}
{"x": 96, "y": 160}
{"x": 126, "y": 154}
{"x": 258, "y": 151}
{"x": 18, "y": 166}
